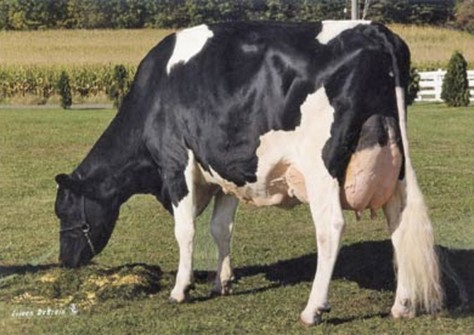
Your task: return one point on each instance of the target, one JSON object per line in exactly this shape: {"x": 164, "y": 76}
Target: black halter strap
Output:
{"x": 83, "y": 226}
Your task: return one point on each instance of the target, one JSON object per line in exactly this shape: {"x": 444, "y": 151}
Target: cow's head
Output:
{"x": 87, "y": 219}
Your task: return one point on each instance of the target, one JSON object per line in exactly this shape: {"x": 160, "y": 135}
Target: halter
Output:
{"x": 83, "y": 226}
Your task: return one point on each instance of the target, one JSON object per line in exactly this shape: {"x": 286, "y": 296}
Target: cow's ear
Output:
{"x": 66, "y": 181}
{"x": 63, "y": 180}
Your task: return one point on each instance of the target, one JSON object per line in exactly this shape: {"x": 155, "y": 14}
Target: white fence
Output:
{"x": 431, "y": 83}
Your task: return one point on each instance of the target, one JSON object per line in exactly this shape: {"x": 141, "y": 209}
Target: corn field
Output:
{"x": 86, "y": 81}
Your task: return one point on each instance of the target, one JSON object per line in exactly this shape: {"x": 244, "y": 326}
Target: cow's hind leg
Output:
{"x": 418, "y": 277}
{"x": 327, "y": 215}
{"x": 393, "y": 210}
{"x": 221, "y": 229}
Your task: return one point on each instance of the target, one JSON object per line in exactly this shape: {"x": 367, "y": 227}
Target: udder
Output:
{"x": 370, "y": 180}
{"x": 371, "y": 177}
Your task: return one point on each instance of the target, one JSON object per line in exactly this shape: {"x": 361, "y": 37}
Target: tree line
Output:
{"x": 114, "y": 14}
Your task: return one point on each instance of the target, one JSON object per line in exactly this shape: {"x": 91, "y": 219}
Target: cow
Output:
{"x": 267, "y": 114}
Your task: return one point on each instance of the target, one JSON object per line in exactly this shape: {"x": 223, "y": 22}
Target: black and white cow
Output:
{"x": 269, "y": 114}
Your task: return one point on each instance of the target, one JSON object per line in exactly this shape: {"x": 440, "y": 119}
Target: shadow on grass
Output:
{"x": 338, "y": 321}
{"x": 370, "y": 265}
{"x": 24, "y": 269}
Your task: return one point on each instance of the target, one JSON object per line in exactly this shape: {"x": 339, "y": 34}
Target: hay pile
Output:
{"x": 88, "y": 286}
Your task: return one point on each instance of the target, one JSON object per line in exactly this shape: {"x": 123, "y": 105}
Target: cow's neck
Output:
{"x": 119, "y": 163}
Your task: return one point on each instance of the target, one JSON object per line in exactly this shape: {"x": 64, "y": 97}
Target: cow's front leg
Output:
{"x": 184, "y": 233}
{"x": 184, "y": 217}
{"x": 327, "y": 215}
{"x": 221, "y": 229}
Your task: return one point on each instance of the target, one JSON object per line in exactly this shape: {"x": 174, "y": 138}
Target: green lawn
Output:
{"x": 126, "y": 289}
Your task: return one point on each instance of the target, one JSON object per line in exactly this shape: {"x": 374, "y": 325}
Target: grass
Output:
{"x": 431, "y": 46}
{"x": 126, "y": 289}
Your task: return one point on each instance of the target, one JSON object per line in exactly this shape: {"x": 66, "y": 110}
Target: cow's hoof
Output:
{"x": 314, "y": 319}
{"x": 402, "y": 314}
{"x": 177, "y": 297}
{"x": 402, "y": 310}
{"x": 222, "y": 289}
{"x": 173, "y": 300}
{"x": 180, "y": 300}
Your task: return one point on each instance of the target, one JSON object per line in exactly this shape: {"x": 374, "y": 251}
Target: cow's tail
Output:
{"x": 416, "y": 258}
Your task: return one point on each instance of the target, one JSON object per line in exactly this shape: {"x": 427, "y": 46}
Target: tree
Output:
{"x": 455, "y": 90}
{"x": 413, "y": 85}
{"x": 118, "y": 89}
{"x": 275, "y": 10}
{"x": 64, "y": 90}
{"x": 465, "y": 15}
{"x": 127, "y": 13}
